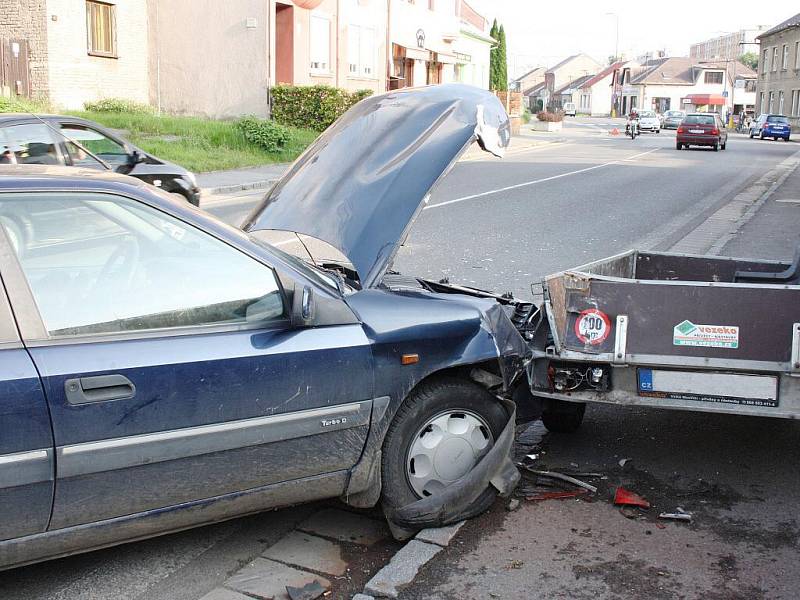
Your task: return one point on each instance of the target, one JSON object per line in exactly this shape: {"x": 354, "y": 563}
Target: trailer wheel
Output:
{"x": 563, "y": 417}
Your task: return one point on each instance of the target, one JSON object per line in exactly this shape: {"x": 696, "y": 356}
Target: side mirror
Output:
{"x": 134, "y": 158}
{"x": 303, "y": 306}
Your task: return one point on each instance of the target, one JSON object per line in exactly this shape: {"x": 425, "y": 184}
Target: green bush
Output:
{"x": 526, "y": 116}
{"x": 269, "y": 135}
{"x": 16, "y": 104}
{"x": 313, "y": 107}
{"x": 118, "y": 105}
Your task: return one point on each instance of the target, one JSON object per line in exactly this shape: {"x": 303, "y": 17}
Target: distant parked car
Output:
{"x": 673, "y": 118}
{"x": 569, "y": 109}
{"x": 701, "y": 129}
{"x": 29, "y": 140}
{"x": 774, "y": 126}
{"x": 648, "y": 121}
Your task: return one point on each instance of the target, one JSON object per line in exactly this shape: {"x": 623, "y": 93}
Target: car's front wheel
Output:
{"x": 440, "y": 432}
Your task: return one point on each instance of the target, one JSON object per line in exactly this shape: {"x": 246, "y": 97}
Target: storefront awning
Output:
{"x": 706, "y": 99}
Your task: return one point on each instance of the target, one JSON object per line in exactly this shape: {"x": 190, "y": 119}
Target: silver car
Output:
{"x": 648, "y": 121}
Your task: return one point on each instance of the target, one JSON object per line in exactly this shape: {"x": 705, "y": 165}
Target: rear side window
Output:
{"x": 97, "y": 263}
{"x": 33, "y": 144}
{"x": 95, "y": 142}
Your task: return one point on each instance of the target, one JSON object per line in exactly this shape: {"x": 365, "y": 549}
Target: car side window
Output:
{"x": 98, "y": 264}
{"x": 95, "y": 142}
{"x": 33, "y": 144}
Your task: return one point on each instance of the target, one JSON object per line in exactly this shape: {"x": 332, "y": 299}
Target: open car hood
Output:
{"x": 360, "y": 185}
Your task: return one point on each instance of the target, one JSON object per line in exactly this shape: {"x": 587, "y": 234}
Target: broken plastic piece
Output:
{"x": 562, "y": 477}
{"x": 557, "y": 495}
{"x": 309, "y": 591}
{"x": 678, "y": 515}
{"x": 627, "y": 498}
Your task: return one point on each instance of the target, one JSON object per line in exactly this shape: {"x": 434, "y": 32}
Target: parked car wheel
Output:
{"x": 752, "y": 135}
{"x": 678, "y": 146}
{"x": 716, "y": 147}
{"x": 563, "y": 417}
{"x": 658, "y": 131}
{"x": 761, "y": 135}
{"x": 440, "y": 432}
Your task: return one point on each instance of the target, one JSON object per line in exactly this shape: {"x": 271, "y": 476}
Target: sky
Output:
{"x": 574, "y": 26}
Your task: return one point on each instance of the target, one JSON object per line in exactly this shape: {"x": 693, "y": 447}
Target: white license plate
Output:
{"x": 696, "y": 131}
{"x": 722, "y": 388}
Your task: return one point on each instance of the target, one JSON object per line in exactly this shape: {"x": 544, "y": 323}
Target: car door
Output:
{"x": 170, "y": 368}
{"x": 109, "y": 150}
{"x": 26, "y": 440}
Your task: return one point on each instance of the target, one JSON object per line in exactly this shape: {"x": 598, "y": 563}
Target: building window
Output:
{"x": 780, "y": 102}
{"x": 785, "y": 60}
{"x": 713, "y": 77}
{"x": 361, "y": 51}
{"x": 319, "y": 32}
{"x": 765, "y": 61}
{"x": 797, "y": 55}
{"x": 795, "y": 103}
{"x": 771, "y": 101}
{"x": 775, "y": 58}
{"x": 762, "y": 103}
{"x": 101, "y": 29}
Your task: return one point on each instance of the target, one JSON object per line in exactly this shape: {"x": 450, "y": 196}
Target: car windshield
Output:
{"x": 776, "y": 119}
{"x": 699, "y": 120}
{"x": 674, "y": 113}
{"x": 648, "y": 114}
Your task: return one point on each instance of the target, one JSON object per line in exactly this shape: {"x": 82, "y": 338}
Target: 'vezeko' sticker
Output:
{"x": 592, "y": 326}
{"x": 705, "y": 336}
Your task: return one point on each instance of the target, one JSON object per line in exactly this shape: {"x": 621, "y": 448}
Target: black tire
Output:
{"x": 563, "y": 417}
{"x": 752, "y": 135}
{"x": 716, "y": 147}
{"x": 426, "y": 401}
{"x": 658, "y": 131}
{"x": 761, "y": 136}
{"x": 722, "y": 146}
{"x": 678, "y": 146}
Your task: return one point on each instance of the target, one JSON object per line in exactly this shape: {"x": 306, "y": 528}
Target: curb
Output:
{"x": 238, "y": 187}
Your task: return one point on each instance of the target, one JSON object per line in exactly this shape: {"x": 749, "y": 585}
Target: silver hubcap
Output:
{"x": 445, "y": 449}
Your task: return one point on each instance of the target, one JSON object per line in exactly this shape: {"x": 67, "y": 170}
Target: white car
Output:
{"x": 569, "y": 109}
{"x": 649, "y": 121}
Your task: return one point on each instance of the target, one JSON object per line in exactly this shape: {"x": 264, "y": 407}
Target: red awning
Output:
{"x": 707, "y": 99}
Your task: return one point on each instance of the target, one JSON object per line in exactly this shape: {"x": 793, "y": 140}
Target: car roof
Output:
{"x": 7, "y": 118}
{"x": 27, "y": 177}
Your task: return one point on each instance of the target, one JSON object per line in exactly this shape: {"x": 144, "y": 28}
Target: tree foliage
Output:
{"x": 498, "y": 63}
{"x": 749, "y": 59}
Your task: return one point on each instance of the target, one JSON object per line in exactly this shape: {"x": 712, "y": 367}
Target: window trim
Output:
{"x": 327, "y": 70}
{"x": 33, "y": 331}
{"x": 721, "y": 77}
{"x": 113, "y": 24}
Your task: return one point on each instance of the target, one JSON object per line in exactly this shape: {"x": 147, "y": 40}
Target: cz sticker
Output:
{"x": 592, "y": 326}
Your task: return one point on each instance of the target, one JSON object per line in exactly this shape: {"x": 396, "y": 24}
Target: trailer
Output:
{"x": 665, "y": 330}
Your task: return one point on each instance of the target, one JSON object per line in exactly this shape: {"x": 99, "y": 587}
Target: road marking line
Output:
{"x": 535, "y": 181}
{"x": 483, "y": 158}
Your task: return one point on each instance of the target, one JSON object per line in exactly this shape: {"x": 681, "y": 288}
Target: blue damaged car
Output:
{"x": 162, "y": 370}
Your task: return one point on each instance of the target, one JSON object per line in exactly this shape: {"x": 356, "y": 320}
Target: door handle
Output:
{"x": 100, "y": 388}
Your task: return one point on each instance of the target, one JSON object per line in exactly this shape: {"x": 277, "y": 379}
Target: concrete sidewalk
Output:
{"x": 235, "y": 180}
{"x": 772, "y": 231}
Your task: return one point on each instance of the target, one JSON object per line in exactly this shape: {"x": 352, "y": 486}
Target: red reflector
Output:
{"x": 715, "y": 132}
{"x": 409, "y": 359}
{"x": 680, "y": 129}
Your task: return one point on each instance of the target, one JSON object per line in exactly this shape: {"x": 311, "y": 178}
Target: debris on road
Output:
{"x": 310, "y": 591}
{"x": 558, "y": 495}
{"x": 624, "y": 497}
{"x": 622, "y": 461}
{"x": 512, "y": 505}
{"x": 514, "y": 564}
{"x": 678, "y": 515}
{"x": 562, "y": 477}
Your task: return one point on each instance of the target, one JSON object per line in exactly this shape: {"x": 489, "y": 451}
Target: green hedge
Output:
{"x": 269, "y": 135}
{"x": 313, "y": 107}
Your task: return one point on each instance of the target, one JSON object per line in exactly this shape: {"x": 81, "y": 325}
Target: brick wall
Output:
{"x": 27, "y": 20}
{"x": 75, "y": 76}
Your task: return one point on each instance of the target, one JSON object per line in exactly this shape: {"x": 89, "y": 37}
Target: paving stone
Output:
{"x": 265, "y": 578}
{"x": 345, "y": 526}
{"x": 223, "y": 594}
{"x": 363, "y": 597}
{"x": 441, "y": 536}
{"x": 308, "y": 551}
{"x": 402, "y": 569}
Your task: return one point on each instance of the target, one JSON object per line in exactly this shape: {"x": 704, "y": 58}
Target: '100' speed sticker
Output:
{"x": 592, "y": 326}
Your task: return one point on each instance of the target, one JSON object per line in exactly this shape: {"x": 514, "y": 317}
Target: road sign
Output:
{"x": 725, "y": 94}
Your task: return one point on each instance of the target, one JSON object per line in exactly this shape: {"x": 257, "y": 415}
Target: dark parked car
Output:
{"x": 701, "y": 129}
{"x": 45, "y": 140}
{"x": 673, "y": 118}
{"x": 163, "y": 370}
{"x": 774, "y": 126}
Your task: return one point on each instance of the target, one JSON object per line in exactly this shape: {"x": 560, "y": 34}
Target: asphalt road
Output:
{"x": 501, "y": 225}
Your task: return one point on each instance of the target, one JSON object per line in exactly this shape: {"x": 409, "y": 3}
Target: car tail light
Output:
{"x": 680, "y": 129}
{"x": 715, "y": 131}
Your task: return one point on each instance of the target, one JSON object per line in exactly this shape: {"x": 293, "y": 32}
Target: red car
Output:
{"x": 702, "y": 129}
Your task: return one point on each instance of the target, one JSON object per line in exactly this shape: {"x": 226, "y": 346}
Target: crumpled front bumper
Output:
{"x": 456, "y": 502}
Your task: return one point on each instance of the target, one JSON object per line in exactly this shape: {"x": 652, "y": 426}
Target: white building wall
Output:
{"x": 76, "y": 77}
{"x": 601, "y": 97}
{"x": 476, "y": 70}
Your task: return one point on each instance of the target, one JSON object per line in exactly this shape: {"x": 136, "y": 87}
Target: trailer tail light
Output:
{"x": 715, "y": 131}
{"x": 680, "y": 129}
